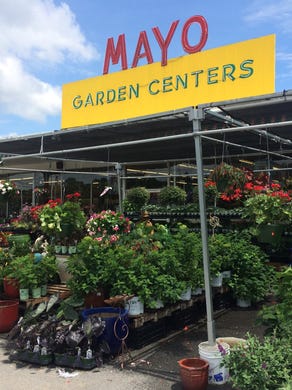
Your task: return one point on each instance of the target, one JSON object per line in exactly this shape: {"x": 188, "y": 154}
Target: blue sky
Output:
{"x": 47, "y": 43}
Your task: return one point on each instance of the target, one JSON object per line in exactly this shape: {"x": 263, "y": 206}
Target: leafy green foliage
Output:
{"x": 87, "y": 267}
{"x": 264, "y": 209}
{"x": 251, "y": 277}
{"x": 172, "y": 196}
{"x": 260, "y": 365}
{"x": 279, "y": 315}
{"x": 136, "y": 198}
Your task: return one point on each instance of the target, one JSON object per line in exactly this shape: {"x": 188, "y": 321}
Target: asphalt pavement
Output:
{"x": 153, "y": 367}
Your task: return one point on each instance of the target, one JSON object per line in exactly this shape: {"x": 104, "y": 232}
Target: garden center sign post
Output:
{"x": 235, "y": 71}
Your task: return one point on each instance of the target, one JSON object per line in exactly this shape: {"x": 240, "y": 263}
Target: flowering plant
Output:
{"x": 73, "y": 197}
{"x": 29, "y": 217}
{"x": 40, "y": 190}
{"x": 7, "y": 188}
{"x": 267, "y": 204}
{"x": 260, "y": 365}
{"x": 62, "y": 220}
{"x": 50, "y": 217}
{"x": 107, "y": 226}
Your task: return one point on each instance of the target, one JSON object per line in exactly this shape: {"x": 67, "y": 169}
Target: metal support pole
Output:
{"x": 123, "y": 183}
{"x": 32, "y": 192}
{"x": 196, "y": 119}
{"x": 91, "y": 198}
{"x": 118, "y": 169}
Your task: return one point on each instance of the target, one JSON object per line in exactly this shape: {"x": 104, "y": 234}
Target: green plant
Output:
{"x": 25, "y": 270}
{"x": 62, "y": 221}
{"x": 107, "y": 226}
{"x": 87, "y": 267}
{"x": 260, "y": 365}
{"x": 7, "y": 188}
{"x": 187, "y": 247}
{"x": 50, "y": 218}
{"x": 220, "y": 253}
{"x": 165, "y": 282}
{"x": 228, "y": 177}
{"x": 47, "y": 269}
{"x": 136, "y": 198}
{"x": 73, "y": 217}
{"x": 172, "y": 196}
{"x": 251, "y": 277}
{"x": 268, "y": 208}
{"x": 144, "y": 264}
{"x": 278, "y": 316}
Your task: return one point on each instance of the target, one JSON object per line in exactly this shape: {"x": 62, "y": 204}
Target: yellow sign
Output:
{"x": 235, "y": 71}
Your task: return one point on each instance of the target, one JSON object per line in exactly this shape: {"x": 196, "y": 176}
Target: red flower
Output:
{"x": 53, "y": 203}
{"x": 258, "y": 188}
{"x": 248, "y": 186}
{"x": 210, "y": 183}
{"x": 76, "y": 195}
{"x": 275, "y": 186}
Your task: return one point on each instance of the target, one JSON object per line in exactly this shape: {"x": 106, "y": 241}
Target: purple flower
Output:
{"x": 221, "y": 349}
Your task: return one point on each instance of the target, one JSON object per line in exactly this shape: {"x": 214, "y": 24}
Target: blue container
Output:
{"x": 117, "y": 325}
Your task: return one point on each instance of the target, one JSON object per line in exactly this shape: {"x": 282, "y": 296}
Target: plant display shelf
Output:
{"x": 54, "y": 289}
{"x": 61, "y": 289}
{"x": 156, "y": 315}
{"x": 34, "y": 301}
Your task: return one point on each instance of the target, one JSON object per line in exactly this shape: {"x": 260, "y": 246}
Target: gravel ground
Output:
{"x": 152, "y": 368}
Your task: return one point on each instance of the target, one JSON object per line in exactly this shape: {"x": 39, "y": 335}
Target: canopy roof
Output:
{"x": 164, "y": 137}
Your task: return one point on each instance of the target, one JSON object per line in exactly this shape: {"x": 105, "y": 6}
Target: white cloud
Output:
{"x": 36, "y": 31}
{"x": 24, "y": 95}
{"x": 41, "y": 29}
{"x": 271, "y": 12}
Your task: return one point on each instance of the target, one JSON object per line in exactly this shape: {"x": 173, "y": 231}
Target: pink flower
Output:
{"x": 113, "y": 238}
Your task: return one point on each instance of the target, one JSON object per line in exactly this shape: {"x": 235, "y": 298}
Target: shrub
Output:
{"x": 172, "y": 196}
{"x": 136, "y": 198}
{"x": 260, "y": 365}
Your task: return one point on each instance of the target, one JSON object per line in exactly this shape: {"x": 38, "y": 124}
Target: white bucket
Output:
{"x": 197, "y": 291}
{"x": 134, "y": 306}
{"x": 243, "y": 302}
{"x": 217, "y": 375}
{"x": 217, "y": 281}
{"x": 158, "y": 304}
{"x": 186, "y": 295}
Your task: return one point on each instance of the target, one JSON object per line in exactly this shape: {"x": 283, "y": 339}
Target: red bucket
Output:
{"x": 8, "y": 315}
{"x": 11, "y": 287}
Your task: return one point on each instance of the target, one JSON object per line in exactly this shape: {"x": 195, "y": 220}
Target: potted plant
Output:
{"x": 220, "y": 254}
{"x": 73, "y": 218}
{"x": 87, "y": 269}
{"x": 24, "y": 269}
{"x": 165, "y": 285}
{"x": 251, "y": 277}
{"x": 269, "y": 211}
{"x": 169, "y": 196}
{"x": 122, "y": 271}
{"x": 277, "y": 316}
{"x": 187, "y": 248}
{"x": 108, "y": 226}
{"x": 260, "y": 365}
{"x": 136, "y": 199}
{"x": 7, "y": 189}
{"x": 28, "y": 218}
{"x": 47, "y": 271}
{"x": 64, "y": 222}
